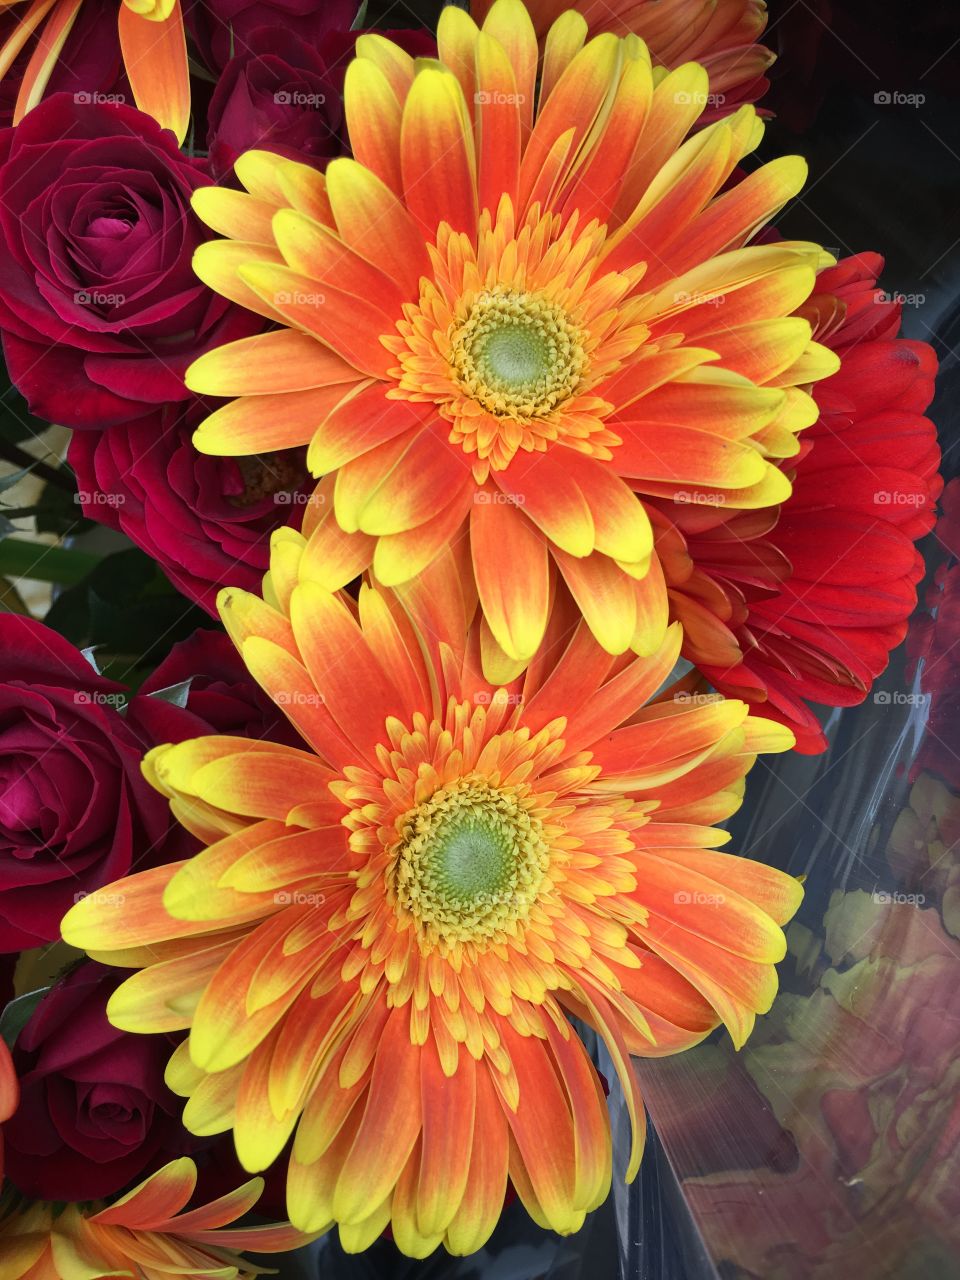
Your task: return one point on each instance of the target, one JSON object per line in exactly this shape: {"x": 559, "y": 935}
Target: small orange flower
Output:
{"x": 146, "y": 1234}
{"x": 152, "y": 41}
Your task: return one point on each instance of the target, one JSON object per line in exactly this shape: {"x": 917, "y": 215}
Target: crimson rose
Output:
{"x": 206, "y": 520}
{"x": 222, "y": 693}
{"x": 74, "y": 808}
{"x": 94, "y": 1111}
{"x": 222, "y": 28}
{"x": 283, "y": 92}
{"x": 275, "y": 94}
{"x": 99, "y": 307}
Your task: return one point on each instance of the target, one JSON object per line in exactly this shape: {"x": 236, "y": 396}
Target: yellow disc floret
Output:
{"x": 470, "y": 862}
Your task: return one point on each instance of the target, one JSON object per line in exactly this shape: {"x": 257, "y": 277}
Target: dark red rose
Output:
{"x": 275, "y": 94}
{"x": 222, "y": 28}
{"x": 206, "y": 520}
{"x": 222, "y": 694}
{"x": 75, "y": 810}
{"x": 282, "y": 91}
{"x": 94, "y": 1111}
{"x": 100, "y": 309}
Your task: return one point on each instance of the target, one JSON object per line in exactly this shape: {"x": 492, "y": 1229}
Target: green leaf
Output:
{"x": 17, "y": 1014}
{"x": 128, "y": 609}
{"x": 7, "y": 482}
{"x": 175, "y": 693}
{"x": 90, "y": 653}
{"x": 40, "y": 563}
{"x": 60, "y": 511}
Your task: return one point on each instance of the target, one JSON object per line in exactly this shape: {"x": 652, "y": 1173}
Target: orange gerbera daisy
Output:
{"x": 491, "y": 318}
{"x": 720, "y": 34}
{"x": 382, "y": 945}
{"x": 152, "y": 41}
{"x": 145, "y": 1235}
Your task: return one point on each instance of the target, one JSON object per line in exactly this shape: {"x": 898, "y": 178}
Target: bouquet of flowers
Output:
{"x": 487, "y": 485}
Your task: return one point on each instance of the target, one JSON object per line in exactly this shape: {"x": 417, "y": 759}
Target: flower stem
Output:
{"x": 39, "y": 563}
{"x": 10, "y": 452}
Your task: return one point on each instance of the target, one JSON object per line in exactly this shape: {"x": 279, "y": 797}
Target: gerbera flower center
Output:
{"x": 470, "y": 862}
{"x": 517, "y": 354}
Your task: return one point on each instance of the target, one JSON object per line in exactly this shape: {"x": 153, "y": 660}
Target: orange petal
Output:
{"x": 482, "y": 1199}
{"x": 512, "y": 573}
{"x": 235, "y": 214}
{"x": 677, "y": 102}
{"x": 508, "y": 22}
{"x": 26, "y": 25}
{"x": 402, "y": 556}
{"x": 155, "y": 60}
{"x": 372, "y": 220}
{"x": 115, "y": 918}
{"x": 603, "y": 711}
{"x": 351, "y": 326}
{"x": 542, "y": 485}
{"x": 621, "y": 524}
{"x": 332, "y": 558}
{"x": 390, "y": 1125}
{"x": 685, "y": 455}
{"x": 373, "y": 114}
{"x": 267, "y": 363}
{"x": 44, "y": 57}
{"x": 498, "y": 123}
{"x": 734, "y": 216}
{"x": 258, "y": 424}
{"x": 542, "y": 1110}
{"x": 437, "y": 154}
{"x": 607, "y": 1024}
{"x": 591, "y": 1122}
{"x": 448, "y": 1103}
{"x": 564, "y": 40}
{"x": 605, "y": 595}
{"x": 292, "y": 689}
{"x": 401, "y": 484}
{"x": 224, "y": 1031}
{"x": 395, "y": 63}
{"x": 355, "y": 689}
{"x": 162, "y": 997}
{"x": 363, "y": 419}
{"x": 155, "y": 1200}
{"x": 218, "y": 263}
{"x": 596, "y": 187}
{"x": 319, "y": 254}
{"x": 576, "y": 101}
{"x": 457, "y": 35}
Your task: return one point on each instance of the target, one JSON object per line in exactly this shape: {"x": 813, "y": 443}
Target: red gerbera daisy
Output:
{"x": 805, "y": 602}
